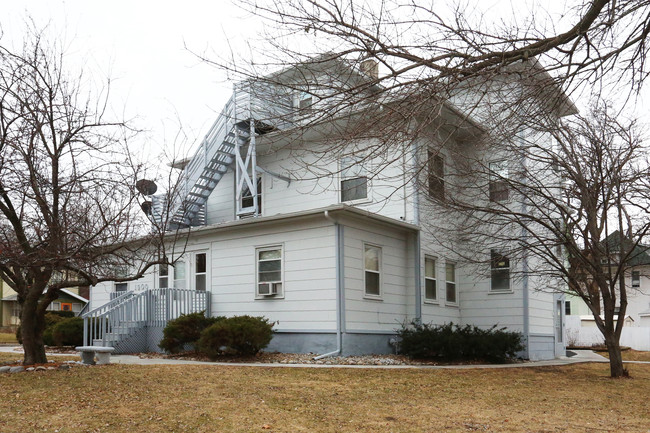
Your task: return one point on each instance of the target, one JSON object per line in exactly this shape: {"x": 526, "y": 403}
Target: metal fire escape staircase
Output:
{"x": 251, "y": 110}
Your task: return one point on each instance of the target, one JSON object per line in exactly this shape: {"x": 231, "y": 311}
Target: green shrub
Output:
{"x": 69, "y": 332}
{"x": 453, "y": 342}
{"x": 51, "y": 319}
{"x": 243, "y": 335}
{"x": 185, "y": 330}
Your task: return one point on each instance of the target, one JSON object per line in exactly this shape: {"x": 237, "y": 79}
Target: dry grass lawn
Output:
{"x": 7, "y": 337}
{"x": 631, "y": 355}
{"x": 119, "y": 398}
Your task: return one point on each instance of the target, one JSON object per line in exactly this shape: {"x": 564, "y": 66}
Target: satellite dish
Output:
{"x": 146, "y": 187}
{"x": 146, "y": 207}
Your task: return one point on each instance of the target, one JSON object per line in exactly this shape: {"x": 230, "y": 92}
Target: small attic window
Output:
{"x": 305, "y": 100}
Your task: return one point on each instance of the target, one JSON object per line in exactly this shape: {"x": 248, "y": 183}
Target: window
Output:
{"x": 450, "y": 275}
{"x": 269, "y": 271}
{"x": 163, "y": 276}
{"x": 498, "y": 181}
{"x": 436, "y": 178}
{"x": 179, "y": 275}
{"x": 636, "y": 279}
{"x": 500, "y": 272}
{"x": 305, "y": 100}
{"x": 121, "y": 287}
{"x": 354, "y": 182}
{"x": 567, "y": 308}
{"x": 76, "y": 307}
{"x": 430, "y": 289}
{"x": 372, "y": 270}
{"x": 247, "y": 203}
{"x": 200, "y": 271}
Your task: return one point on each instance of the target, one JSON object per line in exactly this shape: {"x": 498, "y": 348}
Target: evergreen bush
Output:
{"x": 453, "y": 342}
{"x": 68, "y": 332}
{"x": 241, "y": 335}
{"x": 185, "y": 330}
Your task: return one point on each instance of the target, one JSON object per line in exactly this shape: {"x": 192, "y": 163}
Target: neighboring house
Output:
{"x": 339, "y": 261}
{"x": 69, "y": 300}
{"x": 581, "y": 327}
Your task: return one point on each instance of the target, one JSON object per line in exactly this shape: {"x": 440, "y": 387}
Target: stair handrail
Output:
{"x": 113, "y": 302}
{"x": 138, "y": 309}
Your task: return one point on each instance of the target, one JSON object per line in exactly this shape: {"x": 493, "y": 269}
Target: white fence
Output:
{"x": 636, "y": 337}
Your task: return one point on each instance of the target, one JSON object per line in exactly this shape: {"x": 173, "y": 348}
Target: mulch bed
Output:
{"x": 308, "y": 358}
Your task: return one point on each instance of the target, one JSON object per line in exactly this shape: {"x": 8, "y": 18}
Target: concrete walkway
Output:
{"x": 580, "y": 357}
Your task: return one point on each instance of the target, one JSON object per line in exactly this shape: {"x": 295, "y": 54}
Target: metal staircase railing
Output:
{"x": 121, "y": 318}
{"x": 267, "y": 106}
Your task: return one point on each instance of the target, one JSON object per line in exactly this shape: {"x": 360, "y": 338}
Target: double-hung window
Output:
{"x": 200, "y": 271}
{"x": 247, "y": 203}
{"x": 450, "y": 275}
{"x": 500, "y": 272}
{"x": 305, "y": 100}
{"x": 354, "y": 180}
{"x": 498, "y": 181}
{"x": 372, "y": 270}
{"x": 269, "y": 271}
{"x": 179, "y": 274}
{"x": 436, "y": 175}
{"x": 430, "y": 284}
{"x": 636, "y": 279}
{"x": 163, "y": 276}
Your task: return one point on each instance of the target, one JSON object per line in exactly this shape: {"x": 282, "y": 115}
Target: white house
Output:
{"x": 325, "y": 244}
{"x": 581, "y": 327}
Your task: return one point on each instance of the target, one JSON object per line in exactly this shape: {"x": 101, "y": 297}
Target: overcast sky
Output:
{"x": 142, "y": 44}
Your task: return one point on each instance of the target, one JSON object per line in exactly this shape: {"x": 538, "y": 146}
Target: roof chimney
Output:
{"x": 371, "y": 68}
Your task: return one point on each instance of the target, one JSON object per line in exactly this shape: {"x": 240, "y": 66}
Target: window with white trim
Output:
{"x": 163, "y": 276}
{"x": 120, "y": 287}
{"x": 269, "y": 272}
{"x": 499, "y": 272}
{"x": 372, "y": 270}
{"x": 247, "y": 202}
{"x": 498, "y": 181}
{"x": 636, "y": 279}
{"x": 450, "y": 277}
{"x": 179, "y": 274}
{"x": 200, "y": 271}
{"x": 430, "y": 283}
{"x": 436, "y": 175}
{"x": 354, "y": 180}
{"x": 305, "y": 100}
{"x": 567, "y": 308}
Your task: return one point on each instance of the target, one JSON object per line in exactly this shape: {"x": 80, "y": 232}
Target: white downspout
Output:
{"x": 338, "y": 240}
{"x": 418, "y": 240}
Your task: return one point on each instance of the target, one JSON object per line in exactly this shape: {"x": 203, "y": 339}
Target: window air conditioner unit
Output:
{"x": 267, "y": 289}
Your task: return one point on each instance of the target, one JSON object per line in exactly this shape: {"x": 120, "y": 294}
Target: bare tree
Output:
{"x": 562, "y": 204}
{"x": 68, "y": 199}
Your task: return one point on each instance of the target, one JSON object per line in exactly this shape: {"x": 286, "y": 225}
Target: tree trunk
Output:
{"x": 616, "y": 368}
{"x": 31, "y": 328}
